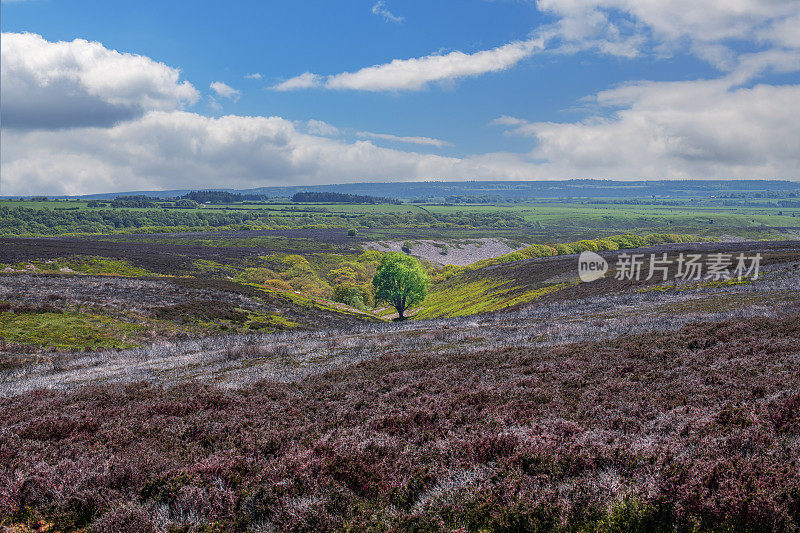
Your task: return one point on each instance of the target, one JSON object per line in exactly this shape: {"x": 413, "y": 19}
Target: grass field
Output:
{"x": 544, "y": 221}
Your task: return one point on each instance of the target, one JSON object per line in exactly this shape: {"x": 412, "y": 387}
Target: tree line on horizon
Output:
{"x": 338, "y": 197}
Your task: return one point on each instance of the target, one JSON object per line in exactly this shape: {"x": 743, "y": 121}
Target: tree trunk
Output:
{"x": 400, "y": 313}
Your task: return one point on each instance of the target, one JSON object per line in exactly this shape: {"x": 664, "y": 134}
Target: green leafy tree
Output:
{"x": 400, "y": 281}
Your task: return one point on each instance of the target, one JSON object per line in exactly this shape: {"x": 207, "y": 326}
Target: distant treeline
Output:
{"x": 765, "y": 194}
{"x": 640, "y": 201}
{"x": 189, "y": 200}
{"x": 694, "y": 202}
{"x": 139, "y": 201}
{"x": 480, "y": 199}
{"x": 437, "y": 191}
{"x": 28, "y": 221}
{"x": 749, "y": 203}
{"x": 222, "y": 197}
{"x": 342, "y": 198}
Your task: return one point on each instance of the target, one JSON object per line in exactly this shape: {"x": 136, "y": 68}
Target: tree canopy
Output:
{"x": 401, "y": 281}
{"x": 309, "y": 196}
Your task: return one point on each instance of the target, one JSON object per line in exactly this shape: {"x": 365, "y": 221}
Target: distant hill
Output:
{"x": 517, "y": 190}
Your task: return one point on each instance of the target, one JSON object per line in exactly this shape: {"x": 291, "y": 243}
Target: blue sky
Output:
{"x": 366, "y": 90}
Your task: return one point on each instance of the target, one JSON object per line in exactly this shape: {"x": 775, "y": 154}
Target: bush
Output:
{"x": 277, "y": 284}
{"x": 538, "y": 250}
{"x": 352, "y": 295}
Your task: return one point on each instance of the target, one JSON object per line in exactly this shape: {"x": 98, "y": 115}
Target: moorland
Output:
{"x": 218, "y": 362}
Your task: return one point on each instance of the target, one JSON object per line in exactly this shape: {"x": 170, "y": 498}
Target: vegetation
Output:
{"x": 86, "y": 265}
{"x": 614, "y": 242}
{"x": 341, "y": 198}
{"x": 468, "y": 297}
{"x": 400, "y": 281}
{"x": 134, "y": 201}
{"x": 29, "y": 221}
{"x": 354, "y": 296}
{"x": 577, "y": 438}
{"x": 221, "y": 197}
{"x": 50, "y": 327}
{"x": 242, "y": 380}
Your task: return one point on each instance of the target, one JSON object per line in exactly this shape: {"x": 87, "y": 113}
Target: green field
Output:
{"x": 538, "y": 221}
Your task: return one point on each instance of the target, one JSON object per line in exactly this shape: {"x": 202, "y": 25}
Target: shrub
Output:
{"x": 352, "y": 295}
{"x": 277, "y": 284}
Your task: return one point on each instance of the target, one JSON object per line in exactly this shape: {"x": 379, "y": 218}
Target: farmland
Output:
{"x": 167, "y": 369}
{"x": 536, "y": 220}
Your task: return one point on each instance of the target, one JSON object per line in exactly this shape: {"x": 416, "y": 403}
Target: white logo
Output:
{"x": 591, "y": 266}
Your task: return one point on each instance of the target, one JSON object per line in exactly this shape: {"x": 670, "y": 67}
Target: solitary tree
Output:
{"x": 400, "y": 281}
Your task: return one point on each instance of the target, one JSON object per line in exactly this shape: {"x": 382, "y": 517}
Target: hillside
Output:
{"x": 656, "y": 431}
{"x": 205, "y": 381}
{"x": 516, "y": 283}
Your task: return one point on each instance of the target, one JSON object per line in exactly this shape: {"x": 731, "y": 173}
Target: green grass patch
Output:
{"x": 89, "y": 265}
{"x": 68, "y": 330}
{"x": 480, "y": 296}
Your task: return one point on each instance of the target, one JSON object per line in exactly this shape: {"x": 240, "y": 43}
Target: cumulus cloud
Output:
{"x": 380, "y": 9}
{"x": 318, "y": 127}
{"x": 81, "y": 83}
{"x": 705, "y": 128}
{"x": 225, "y": 91}
{"x": 253, "y": 76}
{"x": 139, "y": 138}
{"x": 179, "y": 149}
{"x": 426, "y": 141}
{"x": 303, "y": 81}
{"x": 417, "y": 73}
{"x": 623, "y": 27}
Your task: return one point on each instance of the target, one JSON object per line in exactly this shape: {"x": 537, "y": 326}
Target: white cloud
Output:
{"x": 380, "y": 9}
{"x": 506, "y": 120}
{"x": 253, "y": 76}
{"x": 303, "y": 81}
{"x": 701, "y": 25}
{"x": 139, "y": 138}
{"x": 318, "y": 127}
{"x": 225, "y": 91}
{"x": 416, "y": 74}
{"x": 215, "y": 106}
{"x": 81, "y": 83}
{"x": 185, "y": 150}
{"x": 625, "y": 28}
{"x": 706, "y": 128}
{"x": 784, "y": 31}
{"x": 425, "y": 141}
